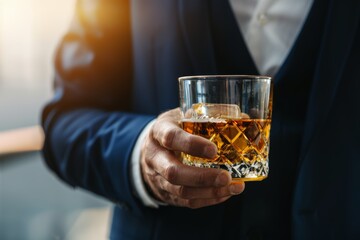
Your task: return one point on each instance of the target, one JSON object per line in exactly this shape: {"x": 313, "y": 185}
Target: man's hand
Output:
{"x": 175, "y": 183}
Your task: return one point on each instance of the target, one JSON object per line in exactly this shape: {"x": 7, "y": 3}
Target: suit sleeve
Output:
{"x": 89, "y": 125}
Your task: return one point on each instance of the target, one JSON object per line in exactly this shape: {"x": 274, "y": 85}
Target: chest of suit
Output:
{"x": 185, "y": 40}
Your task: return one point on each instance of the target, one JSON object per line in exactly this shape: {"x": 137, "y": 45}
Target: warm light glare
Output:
{"x": 29, "y": 32}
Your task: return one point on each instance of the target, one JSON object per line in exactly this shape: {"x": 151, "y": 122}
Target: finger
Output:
{"x": 190, "y": 203}
{"x": 171, "y": 136}
{"x": 200, "y": 193}
{"x": 169, "y": 167}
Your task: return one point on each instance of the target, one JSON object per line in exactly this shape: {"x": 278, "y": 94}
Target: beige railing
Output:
{"x": 21, "y": 140}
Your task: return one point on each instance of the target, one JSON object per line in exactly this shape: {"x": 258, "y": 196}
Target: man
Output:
{"x": 117, "y": 70}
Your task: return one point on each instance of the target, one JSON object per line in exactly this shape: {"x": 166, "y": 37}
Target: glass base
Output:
{"x": 240, "y": 172}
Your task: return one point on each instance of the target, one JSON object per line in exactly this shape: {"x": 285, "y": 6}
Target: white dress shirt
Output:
{"x": 269, "y": 28}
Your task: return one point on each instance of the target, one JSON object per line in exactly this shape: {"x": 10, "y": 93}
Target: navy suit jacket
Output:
{"x": 117, "y": 69}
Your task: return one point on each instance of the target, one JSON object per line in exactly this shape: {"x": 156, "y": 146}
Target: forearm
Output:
{"x": 92, "y": 148}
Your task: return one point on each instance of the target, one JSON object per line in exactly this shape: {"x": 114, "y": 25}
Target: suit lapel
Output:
{"x": 195, "y": 26}
{"x": 340, "y": 28}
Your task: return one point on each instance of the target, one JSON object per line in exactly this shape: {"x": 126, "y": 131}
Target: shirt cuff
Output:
{"x": 138, "y": 183}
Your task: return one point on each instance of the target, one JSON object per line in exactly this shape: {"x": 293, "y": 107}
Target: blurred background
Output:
{"x": 34, "y": 204}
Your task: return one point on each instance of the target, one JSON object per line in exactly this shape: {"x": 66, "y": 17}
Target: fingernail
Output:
{"x": 236, "y": 189}
{"x": 210, "y": 151}
{"x": 222, "y": 180}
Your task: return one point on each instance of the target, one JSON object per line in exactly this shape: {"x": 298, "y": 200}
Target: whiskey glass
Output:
{"x": 234, "y": 112}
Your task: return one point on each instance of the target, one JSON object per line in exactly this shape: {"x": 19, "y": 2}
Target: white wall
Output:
{"x": 34, "y": 204}
{"x": 29, "y": 33}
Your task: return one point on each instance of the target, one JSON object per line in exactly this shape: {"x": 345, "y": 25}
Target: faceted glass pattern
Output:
{"x": 243, "y": 146}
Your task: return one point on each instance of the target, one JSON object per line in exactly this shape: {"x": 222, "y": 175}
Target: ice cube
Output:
{"x": 212, "y": 110}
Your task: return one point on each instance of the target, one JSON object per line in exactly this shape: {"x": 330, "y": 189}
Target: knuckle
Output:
{"x": 171, "y": 173}
{"x": 163, "y": 185}
{"x": 167, "y": 139}
{"x": 182, "y": 192}
{"x": 149, "y": 158}
{"x": 151, "y": 175}
{"x": 149, "y": 154}
{"x": 165, "y": 196}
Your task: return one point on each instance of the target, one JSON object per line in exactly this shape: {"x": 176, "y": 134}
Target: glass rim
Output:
{"x": 236, "y": 77}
